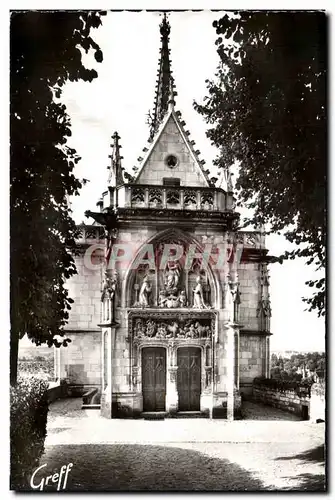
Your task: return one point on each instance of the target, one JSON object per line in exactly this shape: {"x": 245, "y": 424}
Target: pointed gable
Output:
{"x": 170, "y": 146}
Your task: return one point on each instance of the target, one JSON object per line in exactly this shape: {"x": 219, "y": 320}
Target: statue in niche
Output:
{"x": 266, "y": 307}
{"x": 108, "y": 295}
{"x": 171, "y": 281}
{"x": 264, "y": 310}
{"x": 170, "y": 296}
{"x": 198, "y": 297}
{"x": 145, "y": 293}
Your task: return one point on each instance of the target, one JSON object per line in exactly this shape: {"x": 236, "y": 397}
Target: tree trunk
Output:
{"x": 14, "y": 352}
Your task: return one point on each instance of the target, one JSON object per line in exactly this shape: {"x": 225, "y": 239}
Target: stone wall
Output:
{"x": 252, "y": 361}
{"x": 248, "y": 275}
{"x": 85, "y": 289}
{"x": 288, "y": 400}
{"x": 81, "y": 360}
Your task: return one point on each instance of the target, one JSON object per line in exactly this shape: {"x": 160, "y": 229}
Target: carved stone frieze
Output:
{"x": 225, "y": 219}
{"x": 170, "y": 327}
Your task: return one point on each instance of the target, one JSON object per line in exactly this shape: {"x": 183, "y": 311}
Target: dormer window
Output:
{"x": 171, "y": 161}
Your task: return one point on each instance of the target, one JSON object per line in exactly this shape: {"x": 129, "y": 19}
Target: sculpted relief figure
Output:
{"x": 109, "y": 286}
{"x": 139, "y": 330}
{"x": 151, "y": 328}
{"x": 182, "y": 299}
{"x": 162, "y": 298}
{"x": 172, "y": 329}
{"x": 108, "y": 297}
{"x": 266, "y": 307}
{"x": 171, "y": 296}
{"x": 172, "y": 279}
{"x": 198, "y": 297}
{"x": 145, "y": 292}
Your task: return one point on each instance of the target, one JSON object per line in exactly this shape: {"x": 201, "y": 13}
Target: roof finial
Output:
{"x": 161, "y": 102}
{"x": 164, "y": 26}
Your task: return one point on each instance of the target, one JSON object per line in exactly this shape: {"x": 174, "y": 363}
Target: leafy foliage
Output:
{"x": 40, "y": 367}
{"x": 267, "y": 114}
{"x": 46, "y": 51}
{"x": 300, "y": 388}
{"x": 28, "y": 428}
{"x": 292, "y": 368}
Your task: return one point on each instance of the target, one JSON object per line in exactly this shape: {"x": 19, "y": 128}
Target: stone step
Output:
{"x": 190, "y": 414}
{"x": 154, "y": 415}
{"x": 91, "y": 407}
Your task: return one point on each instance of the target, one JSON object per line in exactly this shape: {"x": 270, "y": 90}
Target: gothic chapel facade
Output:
{"x": 160, "y": 325}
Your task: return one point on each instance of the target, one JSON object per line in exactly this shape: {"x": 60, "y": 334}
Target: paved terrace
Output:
{"x": 267, "y": 453}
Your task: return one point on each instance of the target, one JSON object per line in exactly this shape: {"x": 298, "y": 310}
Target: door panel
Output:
{"x": 154, "y": 378}
{"x": 189, "y": 378}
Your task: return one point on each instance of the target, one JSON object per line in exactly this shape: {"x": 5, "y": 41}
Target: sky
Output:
{"x": 119, "y": 100}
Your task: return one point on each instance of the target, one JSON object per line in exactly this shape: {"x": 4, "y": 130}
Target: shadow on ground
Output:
{"x": 314, "y": 455}
{"x": 307, "y": 481}
{"x": 144, "y": 468}
{"x": 311, "y": 482}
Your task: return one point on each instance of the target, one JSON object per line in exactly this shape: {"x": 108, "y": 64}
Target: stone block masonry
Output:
{"x": 287, "y": 400}
{"x": 85, "y": 290}
{"x": 81, "y": 359}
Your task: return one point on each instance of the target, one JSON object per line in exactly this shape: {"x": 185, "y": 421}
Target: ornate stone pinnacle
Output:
{"x": 171, "y": 101}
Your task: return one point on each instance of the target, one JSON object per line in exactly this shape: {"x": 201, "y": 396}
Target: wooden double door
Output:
{"x": 154, "y": 378}
{"x": 189, "y": 378}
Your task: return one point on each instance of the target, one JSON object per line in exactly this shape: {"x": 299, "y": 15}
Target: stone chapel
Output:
{"x": 171, "y": 312}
